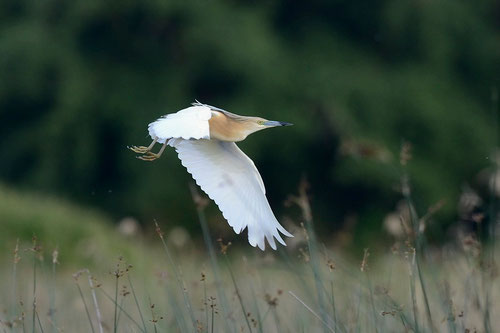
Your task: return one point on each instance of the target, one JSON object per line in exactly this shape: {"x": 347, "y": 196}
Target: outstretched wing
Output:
{"x": 189, "y": 123}
{"x": 230, "y": 178}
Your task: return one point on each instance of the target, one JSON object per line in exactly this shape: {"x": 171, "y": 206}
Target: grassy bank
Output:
{"x": 119, "y": 284}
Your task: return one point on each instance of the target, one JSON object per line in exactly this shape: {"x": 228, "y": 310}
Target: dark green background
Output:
{"x": 80, "y": 80}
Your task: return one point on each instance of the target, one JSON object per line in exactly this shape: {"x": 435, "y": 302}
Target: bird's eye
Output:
{"x": 261, "y": 122}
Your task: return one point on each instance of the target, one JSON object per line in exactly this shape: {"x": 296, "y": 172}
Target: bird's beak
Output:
{"x": 272, "y": 123}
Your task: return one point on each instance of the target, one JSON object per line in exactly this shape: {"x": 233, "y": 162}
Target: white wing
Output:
{"x": 230, "y": 178}
{"x": 189, "y": 123}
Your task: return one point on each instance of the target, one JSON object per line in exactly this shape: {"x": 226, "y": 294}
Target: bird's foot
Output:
{"x": 149, "y": 156}
{"x": 146, "y": 153}
{"x": 139, "y": 149}
{"x": 143, "y": 149}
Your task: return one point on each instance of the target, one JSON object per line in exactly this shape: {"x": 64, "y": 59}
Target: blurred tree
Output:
{"x": 80, "y": 81}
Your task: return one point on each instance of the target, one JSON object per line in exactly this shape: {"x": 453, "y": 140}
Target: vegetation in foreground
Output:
{"x": 305, "y": 287}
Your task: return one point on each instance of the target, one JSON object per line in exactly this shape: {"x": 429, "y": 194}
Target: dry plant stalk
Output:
{"x": 302, "y": 200}
{"x": 405, "y": 153}
{"x": 364, "y": 262}
{"x": 92, "y": 291}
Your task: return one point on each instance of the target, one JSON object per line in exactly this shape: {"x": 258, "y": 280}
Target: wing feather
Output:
{"x": 189, "y": 123}
{"x": 230, "y": 178}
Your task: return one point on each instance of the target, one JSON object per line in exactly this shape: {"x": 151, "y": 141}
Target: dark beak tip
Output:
{"x": 285, "y": 123}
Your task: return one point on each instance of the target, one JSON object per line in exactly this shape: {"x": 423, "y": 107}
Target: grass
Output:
{"x": 262, "y": 293}
{"x": 308, "y": 286}
{"x": 81, "y": 236}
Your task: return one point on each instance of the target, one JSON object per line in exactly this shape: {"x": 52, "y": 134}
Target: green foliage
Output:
{"x": 82, "y": 79}
{"x": 82, "y": 237}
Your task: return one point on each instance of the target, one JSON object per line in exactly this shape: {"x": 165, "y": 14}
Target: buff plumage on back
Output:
{"x": 189, "y": 123}
{"x": 223, "y": 171}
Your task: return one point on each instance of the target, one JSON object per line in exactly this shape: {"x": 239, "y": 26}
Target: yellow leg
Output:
{"x": 150, "y": 156}
{"x": 143, "y": 149}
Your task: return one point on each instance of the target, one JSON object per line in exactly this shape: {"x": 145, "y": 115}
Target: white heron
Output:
{"x": 204, "y": 138}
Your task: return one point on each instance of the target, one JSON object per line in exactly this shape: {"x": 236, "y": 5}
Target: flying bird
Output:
{"x": 204, "y": 137}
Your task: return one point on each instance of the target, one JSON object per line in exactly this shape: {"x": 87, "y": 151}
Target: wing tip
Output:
{"x": 271, "y": 238}
{"x": 284, "y": 231}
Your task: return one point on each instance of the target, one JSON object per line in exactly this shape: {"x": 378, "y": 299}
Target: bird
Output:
{"x": 204, "y": 138}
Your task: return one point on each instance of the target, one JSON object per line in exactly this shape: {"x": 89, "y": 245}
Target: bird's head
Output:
{"x": 255, "y": 124}
{"x": 264, "y": 123}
